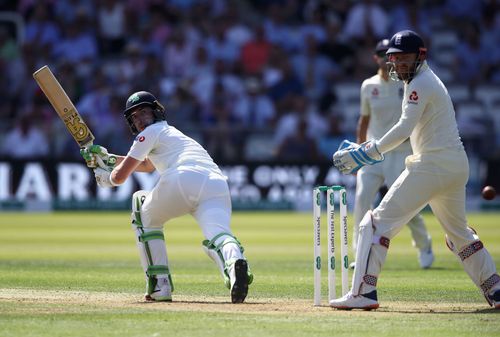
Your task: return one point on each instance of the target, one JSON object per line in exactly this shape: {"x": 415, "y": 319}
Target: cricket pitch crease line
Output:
{"x": 222, "y": 303}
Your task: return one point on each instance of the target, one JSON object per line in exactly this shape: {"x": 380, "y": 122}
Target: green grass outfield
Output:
{"x": 78, "y": 274}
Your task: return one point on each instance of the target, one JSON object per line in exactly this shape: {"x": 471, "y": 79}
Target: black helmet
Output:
{"x": 143, "y": 98}
{"x": 406, "y": 41}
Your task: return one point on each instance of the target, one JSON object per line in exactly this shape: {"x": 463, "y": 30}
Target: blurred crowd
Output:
{"x": 250, "y": 80}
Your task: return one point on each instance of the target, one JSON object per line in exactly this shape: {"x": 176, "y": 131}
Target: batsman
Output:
{"x": 435, "y": 174}
{"x": 190, "y": 183}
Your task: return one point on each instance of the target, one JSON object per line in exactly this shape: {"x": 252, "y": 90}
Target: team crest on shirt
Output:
{"x": 375, "y": 92}
{"x": 413, "y": 98}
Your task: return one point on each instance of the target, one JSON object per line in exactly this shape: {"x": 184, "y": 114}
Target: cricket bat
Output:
{"x": 63, "y": 106}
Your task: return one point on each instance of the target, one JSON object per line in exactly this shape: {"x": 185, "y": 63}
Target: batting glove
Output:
{"x": 103, "y": 178}
{"x": 98, "y": 156}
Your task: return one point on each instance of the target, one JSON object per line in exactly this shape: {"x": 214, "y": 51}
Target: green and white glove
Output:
{"x": 98, "y": 156}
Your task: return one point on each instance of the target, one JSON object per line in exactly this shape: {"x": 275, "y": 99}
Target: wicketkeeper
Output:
{"x": 380, "y": 109}
{"x": 436, "y": 174}
{"x": 190, "y": 183}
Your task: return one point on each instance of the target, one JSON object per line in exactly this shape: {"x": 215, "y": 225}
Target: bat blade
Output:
{"x": 64, "y": 107}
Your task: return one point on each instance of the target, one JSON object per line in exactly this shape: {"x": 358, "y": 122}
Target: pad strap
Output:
{"x": 153, "y": 235}
{"x": 154, "y": 270}
{"x": 211, "y": 243}
{"x": 489, "y": 283}
{"x": 370, "y": 280}
{"x": 470, "y": 250}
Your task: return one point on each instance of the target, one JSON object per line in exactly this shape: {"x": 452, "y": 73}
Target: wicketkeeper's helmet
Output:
{"x": 408, "y": 42}
{"x": 141, "y": 98}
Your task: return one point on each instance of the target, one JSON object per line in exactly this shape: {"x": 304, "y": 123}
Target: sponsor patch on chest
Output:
{"x": 413, "y": 98}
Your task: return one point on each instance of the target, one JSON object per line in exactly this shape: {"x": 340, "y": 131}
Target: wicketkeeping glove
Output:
{"x": 350, "y": 157}
{"x": 98, "y": 156}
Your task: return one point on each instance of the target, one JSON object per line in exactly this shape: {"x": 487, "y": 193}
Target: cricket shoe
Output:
{"x": 495, "y": 299}
{"x": 366, "y": 301}
{"x": 238, "y": 275}
{"x": 425, "y": 258}
{"x": 162, "y": 291}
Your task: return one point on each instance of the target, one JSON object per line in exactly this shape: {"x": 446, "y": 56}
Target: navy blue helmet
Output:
{"x": 405, "y": 42}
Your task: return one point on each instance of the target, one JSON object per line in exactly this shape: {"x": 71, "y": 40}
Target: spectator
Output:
{"x": 237, "y": 32}
{"x": 314, "y": 26}
{"x": 25, "y": 141}
{"x": 94, "y": 105}
{"x": 300, "y": 109}
{"x": 134, "y": 64}
{"x": 201, "y": 64}
{"x": 203, "y": 86}
{"x": 218, "y": 46}
{"x": 9, "y": 50}
{"x": 255, "y": 110}
{"x": 111, "y": 20}
{"x": 255, "y": 53}
{"x": 314, "y": 70}
{"x": 330, "y": 142}
{"x": 277, "y": 31}
{"x": 410, "y": 14}
{"x": 221, "y": 128}
{"x": 183, "y": 109}
{"x": 178, "y": 55}
{"x": 298, "y": 146}
{"x": 472, "y": 59}
{"x": 366, "y": 21}
{"x": 337, "y": 49}
{"x": 41, "y": 31}
{"x": 463, "y": 11}
{"x": 288, "y": 83}
{"x": 78, "y": 43}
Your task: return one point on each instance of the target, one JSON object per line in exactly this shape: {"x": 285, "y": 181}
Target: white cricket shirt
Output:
{"x": 428, "y": 117}
{"x": 168, "y": 149}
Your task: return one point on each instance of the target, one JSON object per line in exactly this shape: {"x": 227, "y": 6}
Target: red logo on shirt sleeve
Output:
{"x": 413, "y": 96}
{"x": 141, "y": 139}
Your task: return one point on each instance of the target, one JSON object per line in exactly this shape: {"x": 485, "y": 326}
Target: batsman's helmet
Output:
{"x": 141, "y": 98}
{"x": 408, "y": 42}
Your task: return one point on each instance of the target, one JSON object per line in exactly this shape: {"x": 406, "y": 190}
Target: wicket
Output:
{"x": 330, "y": 210}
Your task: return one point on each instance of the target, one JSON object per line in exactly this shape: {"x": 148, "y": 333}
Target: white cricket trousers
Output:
{"x": 190, "y": 190}
{"x": 437, "y": 179}
{"x": 368, "y": 182}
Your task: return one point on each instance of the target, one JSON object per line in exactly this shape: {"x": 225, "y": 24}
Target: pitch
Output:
{"x": 78, "y": 274}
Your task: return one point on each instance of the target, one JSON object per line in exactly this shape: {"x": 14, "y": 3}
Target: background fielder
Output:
{"x": 436, "y": 174}
{"x": 380, "y": 110}
{"x": 190, "y": 183}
